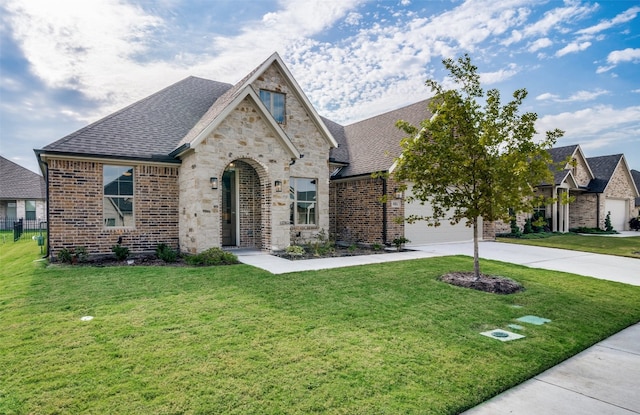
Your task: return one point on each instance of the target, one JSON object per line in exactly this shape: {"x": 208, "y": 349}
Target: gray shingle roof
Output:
{"x": 603, "y": 168}
{"x": 373, "y": 144}
{"x": 17, "y": 182}
{"x": 149, "y": 128}
{"x": 559, "y": 154}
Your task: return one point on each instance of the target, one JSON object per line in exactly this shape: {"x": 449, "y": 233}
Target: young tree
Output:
{"x": 471, "y": 161}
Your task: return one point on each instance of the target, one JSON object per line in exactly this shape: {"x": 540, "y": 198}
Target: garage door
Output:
{"x": 419, "y": 233}
{"x": 618, "y": 209}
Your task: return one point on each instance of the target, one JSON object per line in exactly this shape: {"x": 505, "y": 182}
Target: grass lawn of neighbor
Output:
{"x": 610, "y": 245}
{"x": 380, "y": 339}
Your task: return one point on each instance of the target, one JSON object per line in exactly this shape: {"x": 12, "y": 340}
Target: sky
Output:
{"x": 67, "y": 63}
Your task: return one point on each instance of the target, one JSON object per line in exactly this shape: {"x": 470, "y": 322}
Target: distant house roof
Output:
{"x": 373, "y": 144}
{"x": 148, "y": 129}
{"x": 603, "y": 168}
{"x": 17, "y": 182}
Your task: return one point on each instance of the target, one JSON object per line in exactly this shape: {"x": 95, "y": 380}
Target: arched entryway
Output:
{"x": 246, "y": 201}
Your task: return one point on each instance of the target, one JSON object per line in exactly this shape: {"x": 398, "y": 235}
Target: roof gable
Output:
{"x": 563, "y": 158}
{"x": 225, "y": 104}
{"x": 17, "y": 182}
{"x": 604, "y": 167}
{"x": 217, "y": 115}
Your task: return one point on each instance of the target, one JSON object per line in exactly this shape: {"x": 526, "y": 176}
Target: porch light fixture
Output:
{"x": 214, "y": 183}
{"x": 278, "y": 186}
{"x": 397, "y": 193}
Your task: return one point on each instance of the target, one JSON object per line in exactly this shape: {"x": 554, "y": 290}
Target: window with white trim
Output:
{"x": 274, "y": 101}
{"x": 303, "y": 196}
{"x": 30, "y": 209}
{"x": 118, "y": 200}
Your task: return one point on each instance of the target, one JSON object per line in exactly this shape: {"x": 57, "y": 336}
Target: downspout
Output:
{"x": 46, "y": 195}
{"x": 598, "y": 210}
{"x": 384, "y": 211}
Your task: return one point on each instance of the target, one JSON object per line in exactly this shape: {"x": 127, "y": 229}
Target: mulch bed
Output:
{"x": 487, "y": 283}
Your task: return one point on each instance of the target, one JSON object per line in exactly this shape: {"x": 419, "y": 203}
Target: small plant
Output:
{"x": 65, "y": 256}
{"x": 634, "y": 224}
{"x": 165, "y": 253}
{"x": 399, "y": 242}
{"x": 121, "y": 252}
{"x": 528, "y": 228}
{"x": 212, "y": 256}
{"x": 81, "y": 254}
{"x": 72, "y": 256}
{"x": 352, "y": 248}
{"x": 376, "y": 247}
{"x": 294, "y": 250}
{"x": 607, "y": 223}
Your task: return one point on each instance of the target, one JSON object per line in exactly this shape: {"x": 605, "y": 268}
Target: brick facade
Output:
{"x": 76, "y": 212}
{"x": 357, "y": 211}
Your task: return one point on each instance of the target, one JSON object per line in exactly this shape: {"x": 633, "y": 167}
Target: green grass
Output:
{"x": 377, "y": 339}
{"x": 629, "y": 247}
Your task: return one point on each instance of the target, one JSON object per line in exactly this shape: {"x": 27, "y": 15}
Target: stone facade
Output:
{"x": 358, "y": 211}
{"x": 246, "y": 136}
{"x": 620, "y": 187}
{"x": 76, "y": 208}
{"x": 584, "y": 211}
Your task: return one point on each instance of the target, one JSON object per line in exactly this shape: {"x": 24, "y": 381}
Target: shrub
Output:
{"x": 165, "y": 253}
{"x": 399, "y": 242}
{"x": 71, "y": 256}
{"x": 212, "y": 256}
{"x": 121, "y": 252}
{"x": 634, "y": 224}
{"x": 294, "y": 250}
{"x": 527, "y": 226}
{"x": 376, "y": 247}
{"x": 607, "y": 223}
{"x": 65, "y": 256}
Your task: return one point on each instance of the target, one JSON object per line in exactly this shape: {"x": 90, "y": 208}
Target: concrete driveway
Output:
{"x": 607, "y": 267}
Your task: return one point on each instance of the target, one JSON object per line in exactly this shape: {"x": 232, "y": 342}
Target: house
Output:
{"x": 199, "y": 164}
{"x": 22, "y": 196}
{"x": 613, "y": 191}
{"x": 594, "y": 186}
{"x": 204, "y": 164}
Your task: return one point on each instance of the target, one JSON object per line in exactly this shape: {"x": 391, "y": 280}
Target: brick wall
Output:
{"x": 75, "y": 208}
{"x": 357, "y": 212}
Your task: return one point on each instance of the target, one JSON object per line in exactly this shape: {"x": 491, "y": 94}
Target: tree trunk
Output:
{"x": 476, "y": 260}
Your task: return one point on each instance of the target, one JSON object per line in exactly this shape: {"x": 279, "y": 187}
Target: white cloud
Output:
{"x": 547, "y": 96}
{"x": 538, "y": 44}
{"x": 623, "y": 17}
{"x": 620, "y": 56}
{"x": 489, "y": 78}
{"x": 580, "y": 96}
{"x": 554, "y": 19}
{"x": 596, "y": 126}
{"x": 573, "y": 48}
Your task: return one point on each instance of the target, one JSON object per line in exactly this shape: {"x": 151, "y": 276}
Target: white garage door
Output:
{"x": 618, "y": 209}
{"x": 419, "y": 233}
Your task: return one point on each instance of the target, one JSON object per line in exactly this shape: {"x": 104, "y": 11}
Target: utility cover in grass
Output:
{"x": 538, "y": 321}
{"x": 502, "y": 335}
{"x": 487, "y": 283}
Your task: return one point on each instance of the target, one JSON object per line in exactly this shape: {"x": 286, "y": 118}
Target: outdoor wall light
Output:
{"x": 214, "y": 183}
{"x": 278, "y": 186}
{"x": 397, "y": 193}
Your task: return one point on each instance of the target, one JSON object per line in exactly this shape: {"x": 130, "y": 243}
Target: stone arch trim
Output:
{"x": 264, "y": 184}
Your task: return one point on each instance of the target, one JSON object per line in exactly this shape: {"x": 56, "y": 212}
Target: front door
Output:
{"x": 229, "y": 224}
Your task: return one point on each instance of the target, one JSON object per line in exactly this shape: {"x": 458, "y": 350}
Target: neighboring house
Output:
{"x": 595, "y": 186}
{"x": 636, "y": 179}
{"x": 614, "y": 191}
{"x": 22, "y": 196}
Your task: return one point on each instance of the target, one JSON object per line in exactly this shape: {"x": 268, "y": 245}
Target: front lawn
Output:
{"x": 385, "y": 338}
{"x": 610, "y": 245}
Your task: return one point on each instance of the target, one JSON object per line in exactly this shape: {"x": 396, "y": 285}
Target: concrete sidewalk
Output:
{"x": 604, "y": 379}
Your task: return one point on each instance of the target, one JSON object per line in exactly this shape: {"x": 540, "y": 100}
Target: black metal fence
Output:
{"x": 21, "y": 227}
